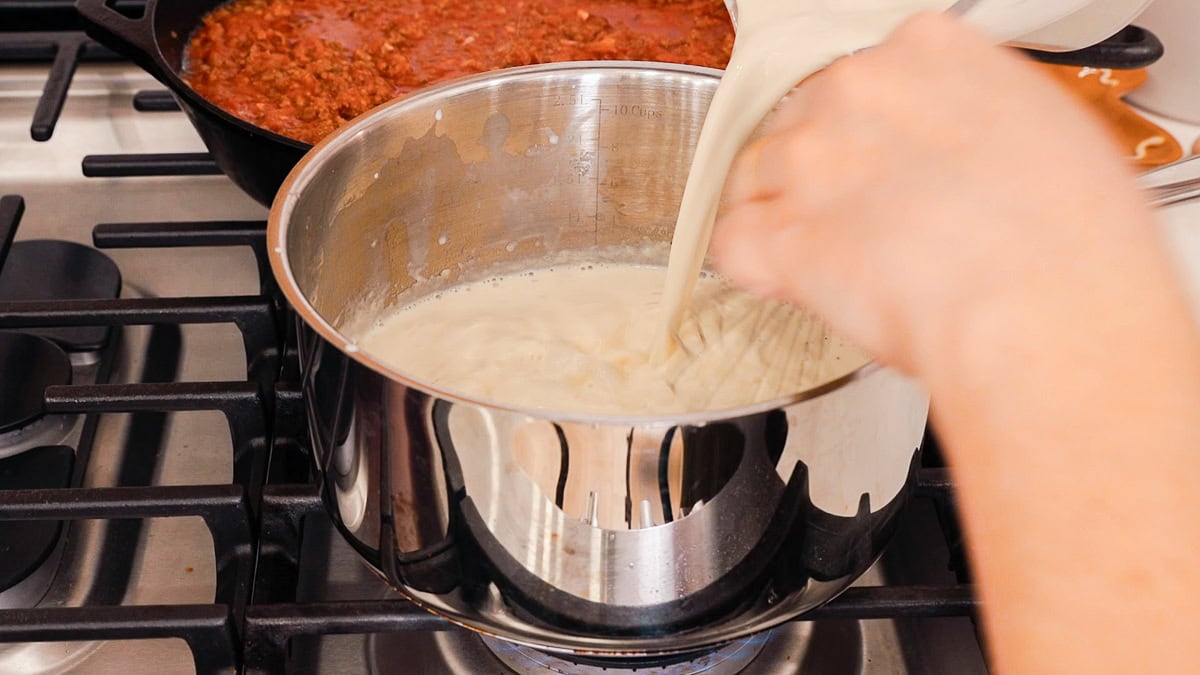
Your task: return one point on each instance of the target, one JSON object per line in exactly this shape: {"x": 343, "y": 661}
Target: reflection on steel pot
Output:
{"x": 565, "y": 532}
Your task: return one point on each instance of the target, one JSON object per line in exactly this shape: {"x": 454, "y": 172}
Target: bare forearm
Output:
{"x": 995, "y": 247}
{"x": 1077, "y": 449}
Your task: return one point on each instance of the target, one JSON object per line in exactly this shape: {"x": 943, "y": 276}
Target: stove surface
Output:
{"x": 168, "y": 560}
{"x": 168, "y": 563}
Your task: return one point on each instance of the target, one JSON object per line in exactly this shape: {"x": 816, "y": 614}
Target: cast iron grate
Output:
{"x": 271, "y": 622}
{"x": 229, "y": 511}
{"x": 50, "y": 31}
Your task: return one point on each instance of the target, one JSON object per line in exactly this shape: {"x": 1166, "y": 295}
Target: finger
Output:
{"x": 796, "y": 107}
{"x": 759, "y": 248}
{"x": 742, "y": 247}
{"x": 774, "y": 165}
{"x": 791, "y": 111}
{"x": 742, "y": 185}
{"x": 790, "y": 116}
{"x": 757, "y": 174}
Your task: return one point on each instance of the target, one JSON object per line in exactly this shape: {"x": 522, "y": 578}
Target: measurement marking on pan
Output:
{"x": 633, "y": 110}
{"x": 596, "y": 177}
{"x": 588, "y": 162}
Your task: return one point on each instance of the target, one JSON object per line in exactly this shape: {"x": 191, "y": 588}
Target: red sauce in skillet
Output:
{"x": 302, "y": 68}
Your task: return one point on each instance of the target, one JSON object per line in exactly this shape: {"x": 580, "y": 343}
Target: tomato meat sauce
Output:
{"x": 302, "y": 68}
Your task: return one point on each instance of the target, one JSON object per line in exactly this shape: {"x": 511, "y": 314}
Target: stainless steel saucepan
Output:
{"x": 605, "y": 535}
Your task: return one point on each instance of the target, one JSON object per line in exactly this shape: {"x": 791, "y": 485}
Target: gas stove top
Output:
{"x": 157, "y": 509}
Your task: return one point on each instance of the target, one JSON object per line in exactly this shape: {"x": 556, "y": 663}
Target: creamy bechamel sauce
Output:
{"x": 576, "y": 339}
{"x": 632, "y": 340}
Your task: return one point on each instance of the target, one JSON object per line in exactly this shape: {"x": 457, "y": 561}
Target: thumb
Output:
{"x": 743, "y": 250}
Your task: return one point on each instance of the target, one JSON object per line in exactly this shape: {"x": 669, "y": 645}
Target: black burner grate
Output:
{"x": 231, "y": 512}
{"x": 65, "y": 50}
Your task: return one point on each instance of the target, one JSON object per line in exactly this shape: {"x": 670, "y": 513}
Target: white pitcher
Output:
{"x": 1049, "y": 25}
{"x": 1173, "y": 87}
{"x": 1052, "y": 25}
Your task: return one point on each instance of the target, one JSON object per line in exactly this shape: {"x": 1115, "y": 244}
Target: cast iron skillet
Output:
{"x": 258, "y": 160}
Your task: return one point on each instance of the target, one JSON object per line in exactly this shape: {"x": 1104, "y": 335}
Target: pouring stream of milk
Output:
{"x": 779, "y": 43}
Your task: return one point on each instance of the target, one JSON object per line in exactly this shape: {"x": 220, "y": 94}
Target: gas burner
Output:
{"x": 26, "y": 546}
{"x": 61, "y": 270}
{"x": 727, "y": 660}
{"x": 28, "y": 364}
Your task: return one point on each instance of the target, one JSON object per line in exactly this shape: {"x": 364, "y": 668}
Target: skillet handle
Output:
{"x": 1131, "y": 48}
{"x": 132, "y": 38}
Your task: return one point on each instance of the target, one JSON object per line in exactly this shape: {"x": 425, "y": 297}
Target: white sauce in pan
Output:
{"x": 576, "y": 339}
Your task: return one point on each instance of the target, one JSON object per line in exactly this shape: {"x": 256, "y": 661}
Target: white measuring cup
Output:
{"x": 1048, "y": 25}
{"x": 1095, "y": 22}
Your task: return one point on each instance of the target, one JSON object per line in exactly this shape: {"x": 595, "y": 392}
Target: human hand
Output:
{"x": 925, "y": 186}
{"x": 943, "y": 204}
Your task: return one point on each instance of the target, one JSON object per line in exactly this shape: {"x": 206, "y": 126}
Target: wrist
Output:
{"x": 1089, "y": 343}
